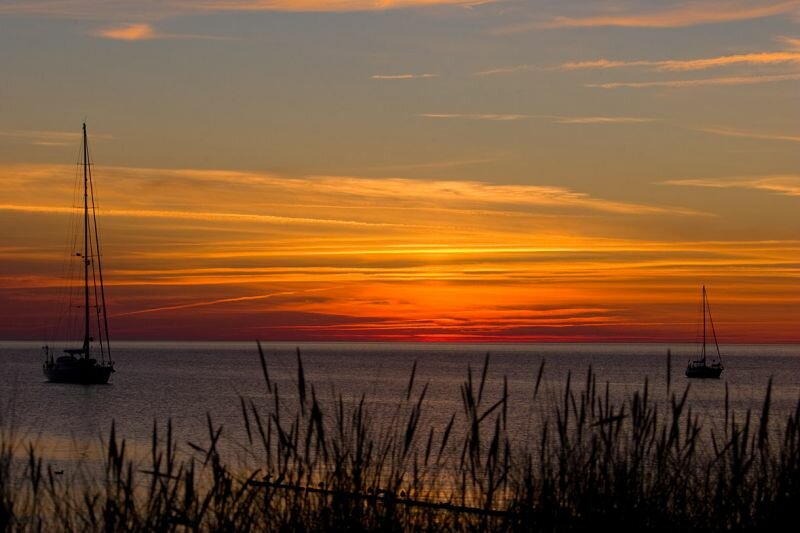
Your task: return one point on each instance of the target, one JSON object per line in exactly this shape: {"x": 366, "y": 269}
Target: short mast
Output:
{"x": 86, "y": 242}
{"x": 699, "y": 368}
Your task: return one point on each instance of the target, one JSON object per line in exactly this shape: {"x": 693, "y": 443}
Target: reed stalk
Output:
{"x": 643, "y": 464}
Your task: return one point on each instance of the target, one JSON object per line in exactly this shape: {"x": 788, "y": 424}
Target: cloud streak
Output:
{"x": 493, "y": 117}
{"x": 602, "y": 120}
{"x": 702, "y": 82}
{"x": 194, "y": 305}
{"x": 128, "y": 32}
{"x": 146, "y": 32}
{"x": 328, "y": 5}
{"x": 358, "y": 203}
{"x": 558, "y": 119}
{"x": 666, "y": 65}
{"x": 479, "y": 193}
{"x": 683, "y": 65}
{"x": 784, "y": 185}
{"x": 403, "y": 76}
{"x": 507, "y": 70}
{"x": 729, "y": 132}
{"x": 193, "y": 215}
{"x": 127, "y": 9}
{"x": 689, "y": 14}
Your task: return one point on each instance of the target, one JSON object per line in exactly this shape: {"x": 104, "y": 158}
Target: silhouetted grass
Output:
{"x": 639, "y": 465}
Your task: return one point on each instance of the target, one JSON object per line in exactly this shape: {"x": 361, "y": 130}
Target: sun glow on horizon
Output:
{"x": 353, "y": 265}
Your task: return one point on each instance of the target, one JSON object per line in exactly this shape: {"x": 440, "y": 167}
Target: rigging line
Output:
{"x": 97, "y": 302}
{"x": 698, "y": 320}
{"x": 714, "y": 331}
{"x": 704, "y": 324}
{"x": 102, "y": 302}
{"x": 92, "y": 258}
{"x": 67, "y": 323}
{"x": 62, "y": 292}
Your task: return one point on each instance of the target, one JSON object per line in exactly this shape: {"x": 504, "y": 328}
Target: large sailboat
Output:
{"x": 701, "y": 368}
{"x": 81, "y": 365}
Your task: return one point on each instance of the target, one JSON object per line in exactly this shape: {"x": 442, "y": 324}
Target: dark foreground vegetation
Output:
{"x": 333, "y": 465}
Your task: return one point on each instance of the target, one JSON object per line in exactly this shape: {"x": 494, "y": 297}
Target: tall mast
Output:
{"x": 86, "y": 242}
{"x": 704, "y": 324}
{"x": 713, "y": 329}
{"x": 102, "y": 329}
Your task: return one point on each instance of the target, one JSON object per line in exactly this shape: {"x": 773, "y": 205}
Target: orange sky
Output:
{"x": 342, "y": 258}
{"x": 434, "y": 170}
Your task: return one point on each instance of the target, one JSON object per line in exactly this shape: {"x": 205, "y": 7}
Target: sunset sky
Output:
{"x": 433, "y": 170}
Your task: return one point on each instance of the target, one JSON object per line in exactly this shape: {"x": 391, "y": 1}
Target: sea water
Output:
{"x": 188, "y": 382}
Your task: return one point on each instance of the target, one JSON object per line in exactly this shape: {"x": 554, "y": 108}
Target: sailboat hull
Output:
{"x": 79, "y": 371}
{"x": 707, "y": 372}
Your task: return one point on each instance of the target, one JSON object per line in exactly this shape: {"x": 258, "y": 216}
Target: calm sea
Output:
{"x": 183, "y": 382}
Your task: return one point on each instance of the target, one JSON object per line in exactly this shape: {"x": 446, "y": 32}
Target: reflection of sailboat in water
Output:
{"x": 78, "y": 365}
{"x": 701, "y": 368}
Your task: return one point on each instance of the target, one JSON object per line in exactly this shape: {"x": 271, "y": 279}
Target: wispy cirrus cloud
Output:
{"x": 378, "y": 193}
{"x": 602, "y": 120}
{"x": 558, "y": 119}
{"x": 687, "y": 14}
{"x": 754, "y": 59}
{"x": 403, "y": 76}
{"x": 93, "y": 10}
{"x": 729, "y": 80}
{"x": 680, "y": 65}
{"x": 128, "y": 32}
{"x": 439, "y": 164}
{"x": 127, "y": 9}
{"x": 788, "y": 185}
{"x": 507, "y": 70}
{"x": 135, "y": 18}
{"x": 600, "y": 64}
{"x": 194, "y": 305}
{"x": 146, "y": 32}
{"x": 476, "y": 193}
{"x": 328, "y": 5}
{"x": 495, "y": 117}
{"x": 730, "y": 132}
{"x": 207, "y": 216}
{"x": 665, "y": 65}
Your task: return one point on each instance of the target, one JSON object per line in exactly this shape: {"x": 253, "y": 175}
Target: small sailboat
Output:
{"x": 701, "y": 368}
{"x": 80, "y": 365}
